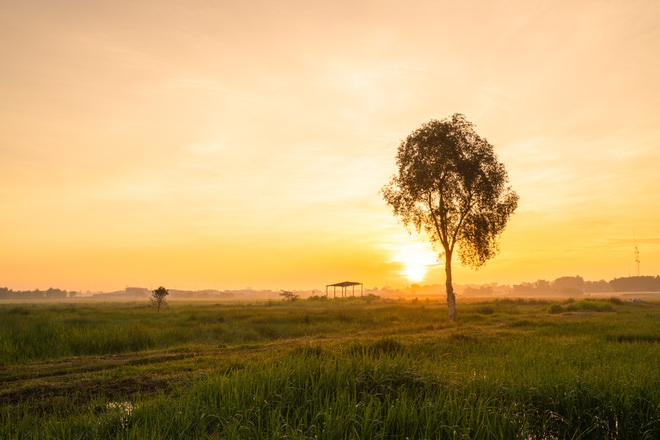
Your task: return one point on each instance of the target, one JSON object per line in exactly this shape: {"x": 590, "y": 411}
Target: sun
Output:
{"x": 416, "y": 258}
{"x": 414, "y": 272}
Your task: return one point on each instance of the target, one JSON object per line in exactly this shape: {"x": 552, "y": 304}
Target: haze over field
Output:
{"x": 230, "y": 144}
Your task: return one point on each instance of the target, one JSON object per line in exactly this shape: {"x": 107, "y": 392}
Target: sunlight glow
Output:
{"x": 184, "y": 151}
{"x": 416, "y": 259}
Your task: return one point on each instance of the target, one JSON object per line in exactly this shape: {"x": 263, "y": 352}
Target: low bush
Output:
{"x": 556, "y": 308}
{"x": 590, "y": 306}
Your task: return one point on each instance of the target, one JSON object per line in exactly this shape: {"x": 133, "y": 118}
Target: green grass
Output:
{"x": 330, "y": 369}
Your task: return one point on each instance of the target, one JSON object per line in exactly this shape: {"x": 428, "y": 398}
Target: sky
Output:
{"x": 232, "y": 144}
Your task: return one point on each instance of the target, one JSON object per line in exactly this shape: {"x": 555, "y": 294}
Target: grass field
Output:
{"x": 331, "y": 370}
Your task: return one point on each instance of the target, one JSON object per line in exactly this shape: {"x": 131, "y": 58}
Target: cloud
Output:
{"x": 258, "y": 122}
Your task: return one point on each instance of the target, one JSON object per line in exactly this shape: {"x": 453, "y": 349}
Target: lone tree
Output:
{"x": 451, "y": 185}
{"x": 289, "y": 296}
{"x": 158, "y": 298}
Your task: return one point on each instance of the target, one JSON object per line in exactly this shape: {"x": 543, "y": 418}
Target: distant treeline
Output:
{"x": 51, "y": 293}
{"x": 577, "y": 285}
{"x": 567, "y": 286}
{"x": 564, "y": 286}
{"x": 636, "y": 284}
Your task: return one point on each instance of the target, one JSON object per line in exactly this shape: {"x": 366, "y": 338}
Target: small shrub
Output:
{"x": 556, "y": 308}
{"x": 485, "y": 310}
{"x": 616, "y": 301}
{"x": 589, "y": 306}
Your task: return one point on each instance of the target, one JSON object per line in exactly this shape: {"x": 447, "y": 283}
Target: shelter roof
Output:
{"x": 345, "y": 284}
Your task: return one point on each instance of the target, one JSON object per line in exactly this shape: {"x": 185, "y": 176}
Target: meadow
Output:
{"x": 331, "y": 369}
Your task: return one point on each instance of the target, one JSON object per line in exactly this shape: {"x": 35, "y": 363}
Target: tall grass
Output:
{"x": 378, "y": 371}
{"x": 36, "y": 332}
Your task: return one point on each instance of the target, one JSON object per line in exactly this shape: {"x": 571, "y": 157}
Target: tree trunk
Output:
{"x": 451, "y": 298}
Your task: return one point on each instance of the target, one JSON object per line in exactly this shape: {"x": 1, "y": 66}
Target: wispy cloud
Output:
{"x": 256, "y": 127}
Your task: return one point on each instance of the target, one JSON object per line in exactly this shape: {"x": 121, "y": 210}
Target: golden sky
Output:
{"x": 225, "y": 144}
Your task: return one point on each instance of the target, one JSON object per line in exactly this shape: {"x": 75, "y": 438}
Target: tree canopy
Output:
{"x": 158, "y": 298}
{"x": 451, "y": 185}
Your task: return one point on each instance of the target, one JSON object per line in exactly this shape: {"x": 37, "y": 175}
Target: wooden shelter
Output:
{"x": 344, "y": 287}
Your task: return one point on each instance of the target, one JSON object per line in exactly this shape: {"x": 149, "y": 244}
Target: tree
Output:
{"x": 289, "y": 296}
{"x": 569, "y": 285}
{"x": 158, "y": 298}
{"x": 451, "y": 185}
